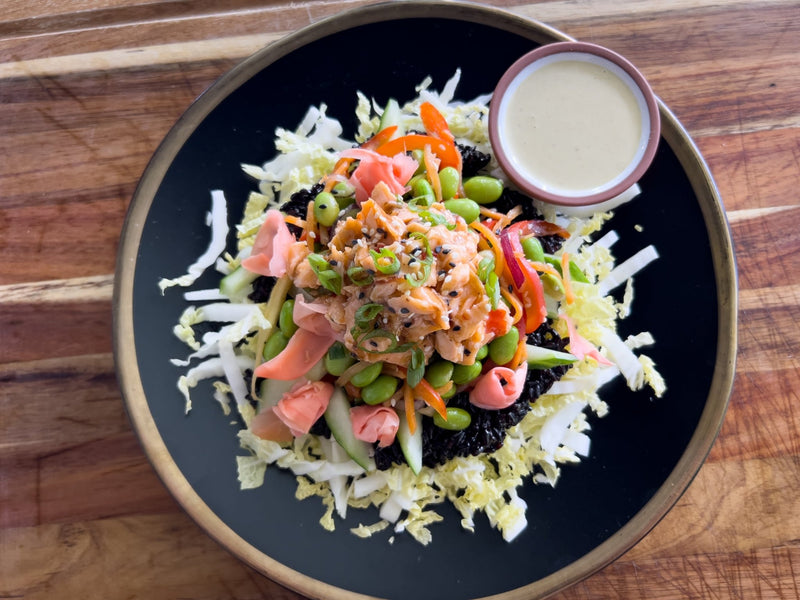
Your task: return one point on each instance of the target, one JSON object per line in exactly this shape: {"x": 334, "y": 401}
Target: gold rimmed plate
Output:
{"x": 644, "y": 453}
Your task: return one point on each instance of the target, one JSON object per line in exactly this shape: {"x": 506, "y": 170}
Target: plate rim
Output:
{"x": 124, "y": 344}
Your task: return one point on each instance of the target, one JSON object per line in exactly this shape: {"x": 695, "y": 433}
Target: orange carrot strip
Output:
{"x": 566, "y": 279}
{"x": 292, "y": 220}
{"x": 311, "y": 226}
{"x": 434, "y": 122}
{"x": 489, "y": 236}
{"x": 515, "y": 304}
{"x": 380, "y": 138}
{"x": 445, "y": 388}
{"x": 411, "y": 414}
{"x": 519, "y": 356}
{"x": 429, "y": 395}
{"x": 444, "y": 150}
{"x": 340, "y": 169}
{"x": 491, "y": 214}
{"x": 432, "y": 172}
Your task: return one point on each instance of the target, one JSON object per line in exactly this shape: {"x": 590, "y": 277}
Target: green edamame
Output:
{"x": 275, "y": 345}
{"x": 326, "y": 209}
{"x": 367, "y": 375}
{"x": 286, "y": 319}
{"x": 457, "y": 419}
{"x": 502, "y": 349}
{"x": 337, "y": 359}
{"x": 482, "y": 353}
{"x": 421, "y": 187}
{"x": 465, "y": 373}
{"x": 483, "y": 189}
{"x": 439, "y": 373}
{"x": 533, "y": 250}
{"x": 464, "y": 207}
{"x": 379, "y": 390}
{"x": 449, "y": 393}
{"x": 448, "y": 180}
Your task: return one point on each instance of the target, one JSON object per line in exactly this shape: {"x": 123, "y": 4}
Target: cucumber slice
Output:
{"x": 235, "y": 282}
{"x": 337, "y": 416}
{"x": 273, "y": 390}
{"x": 391, "y": 116}
{"x": 411, "y": 443}
{"x": 544, "y": 358}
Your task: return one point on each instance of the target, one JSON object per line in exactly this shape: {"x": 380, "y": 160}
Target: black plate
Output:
{"x": 644, "y": 453}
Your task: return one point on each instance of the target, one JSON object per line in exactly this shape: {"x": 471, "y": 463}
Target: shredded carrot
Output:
{"x": 311, "y": 226}
{"x": 411, "y": 415}
{"x": 566, "y": 279}
{"x": 332, "y": 178}
{"x": 491, "y": 238}
{"x": 429, "y": 395}
{"x": 296, "y": 221}
{"x": 491, "y": 214}
{"x": 519, "y": 355}
{"x": 515, "y": 304}
{"x": 432, "y": 172}
{"x": 545, "y": 268}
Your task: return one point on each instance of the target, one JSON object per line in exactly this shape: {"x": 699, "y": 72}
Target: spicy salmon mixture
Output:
{"x": 402, "y": 327}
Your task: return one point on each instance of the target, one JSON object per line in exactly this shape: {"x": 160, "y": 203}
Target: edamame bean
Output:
{"x": 448, "y": 180}
{"x": 275, "y": 345}
{"x": 533, "y": 250}
{"x": 502, "y": 349}
{"x": 483, "y": 189}
{"x": 482, "y": 353}
{"x": 367, "y": 375}
{"x": 457, "y": 419}
{"x": 379, "y": 390}
{"x": 449, "y": 393}
{"x": 464, "y": 207}
{"x": 286, "y": 319}
{"x": 338, "y": 359}
{"x": 465, "y": 373}
{"x": 439, "y": 373}
{"x": 326, "y": 209}
{"x": 422, "y": 187}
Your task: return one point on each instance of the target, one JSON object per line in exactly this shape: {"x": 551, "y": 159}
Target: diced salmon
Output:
{"x": 298, "y": 267}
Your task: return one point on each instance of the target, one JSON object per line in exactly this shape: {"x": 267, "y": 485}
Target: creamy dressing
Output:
{"x": 572, "y": 125}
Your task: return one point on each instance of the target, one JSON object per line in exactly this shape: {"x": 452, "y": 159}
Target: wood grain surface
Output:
{"x": 88, "y": 88}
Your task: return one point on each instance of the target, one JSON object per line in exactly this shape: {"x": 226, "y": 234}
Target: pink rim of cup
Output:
{"x": 570, "y": 50}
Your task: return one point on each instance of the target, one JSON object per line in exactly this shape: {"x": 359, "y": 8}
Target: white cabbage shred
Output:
{"x": 554, "y": 432}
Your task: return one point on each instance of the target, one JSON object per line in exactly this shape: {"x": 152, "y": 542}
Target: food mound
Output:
{"x": 399, "y": 327}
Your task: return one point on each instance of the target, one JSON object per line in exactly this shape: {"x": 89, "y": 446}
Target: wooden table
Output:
{"x": 88, "y": 88}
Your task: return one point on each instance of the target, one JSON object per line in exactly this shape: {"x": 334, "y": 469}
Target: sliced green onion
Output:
{"x": 416, "y": 368}
{"x": 486, "y": 266}
{"x": 420, "y": 277}
{"x": 360, "y": 276}
{"x": 328, "y": 278}
{"x": 493, "y": 289}
{"x": 386, "y": 261}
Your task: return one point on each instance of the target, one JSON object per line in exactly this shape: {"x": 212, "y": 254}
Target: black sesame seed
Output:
{"x": 511, "y": 288}
{"x": 467, "y": 351}
{"x": 446, "y": 251}
{"x": 407, "y": 324}
{"x": 361, "y": 295}
{"x": 503, "y": 382}
{"x": 452, "y": 265}
{"x": 457, "y": 328}
{"x": 412, "y": 260}
{"x": 373, "y": 343}
{"x": 333, "y": 262}
{"x": 404, "y": 310}
{"x": 437, "y": 249}
{"x": 381, "y": 230}
{"x": 453, "y": 294}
